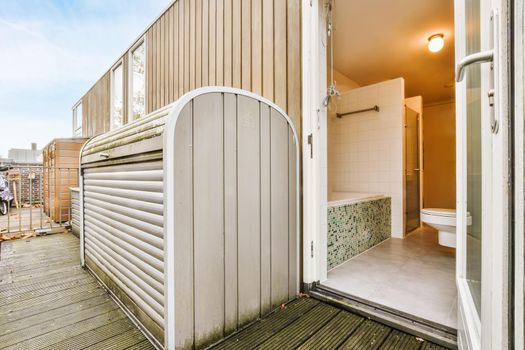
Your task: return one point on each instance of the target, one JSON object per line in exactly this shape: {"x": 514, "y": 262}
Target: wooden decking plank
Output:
{"x": 298, "y": 332}
{"x": 121, "y": 341}
{"x": 369, "y": 336}
{"x": 401, "y": 341}
{"x": 49, "y": 244}
{"x": 45, "y": 266}
{"x": 46, "y": 327}
{"x": 41, "y": 288}
{"x": 51, "y": 275}
{"x": 48, "y": 298}
{"x": 32, "y": 260}
{"x": 51, "y": 248}
{"x": 49, "y": 309}
{"x": 144, "y": 345}
{"x": 431, "y": 346}
{"x": 40, "y": 256}
{"x": 334, "y": 333}
{"x": 268, "y": 326}
{"x": 71, "y": 330}
{"x": 93, "y": 336}
{"x": 51, "y": 315}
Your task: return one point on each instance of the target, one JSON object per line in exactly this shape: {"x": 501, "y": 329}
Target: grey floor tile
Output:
{"x": 415, "y": 275}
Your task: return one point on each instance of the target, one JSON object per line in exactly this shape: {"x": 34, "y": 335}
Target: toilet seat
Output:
{"x": 446, "y": 215}
{"x": 439, "y": 212}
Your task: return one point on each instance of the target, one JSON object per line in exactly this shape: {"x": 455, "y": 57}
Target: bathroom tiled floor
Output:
{"x": 414, "y": 275}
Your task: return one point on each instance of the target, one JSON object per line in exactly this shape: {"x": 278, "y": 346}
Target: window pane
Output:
{"x": 138, "y": 79}
{"x": 117, "y": 98}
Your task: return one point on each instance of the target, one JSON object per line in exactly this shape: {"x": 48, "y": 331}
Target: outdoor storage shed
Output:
{"x": 190, "y": 215}
{"x": 61, "y": 164}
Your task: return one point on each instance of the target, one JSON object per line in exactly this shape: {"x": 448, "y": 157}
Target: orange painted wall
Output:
{"x": 439, "y": 157}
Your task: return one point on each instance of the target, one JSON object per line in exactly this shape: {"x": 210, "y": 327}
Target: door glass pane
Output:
{"x": 474, "y": 175}
{"x": 412, "y": 169}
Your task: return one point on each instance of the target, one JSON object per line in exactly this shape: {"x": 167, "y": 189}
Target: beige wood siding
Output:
{"x": 252, "y": 44}
{"x": 61, "y": 163}
{"x": 96, "y": 108}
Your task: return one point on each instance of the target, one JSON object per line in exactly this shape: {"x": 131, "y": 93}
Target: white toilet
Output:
{"x": 443, "y": 220}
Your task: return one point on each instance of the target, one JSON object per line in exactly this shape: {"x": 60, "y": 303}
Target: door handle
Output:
{"x": 487, "y": 56}
{"x": 478, "y": 57}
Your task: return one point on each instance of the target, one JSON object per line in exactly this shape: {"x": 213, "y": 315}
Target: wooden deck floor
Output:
{"x": 307, "y": 324}
{"x": 48, "y": 302}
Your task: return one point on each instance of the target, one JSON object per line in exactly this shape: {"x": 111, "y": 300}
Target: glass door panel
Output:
{"x": 412, "y": 169}
{"x": 474, "y": 155}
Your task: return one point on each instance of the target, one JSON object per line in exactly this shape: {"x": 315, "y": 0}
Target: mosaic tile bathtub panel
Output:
{"x": 356, "y": 227}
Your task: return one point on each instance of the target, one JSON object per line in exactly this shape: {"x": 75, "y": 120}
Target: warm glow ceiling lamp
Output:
{"x": 436, "y": 42}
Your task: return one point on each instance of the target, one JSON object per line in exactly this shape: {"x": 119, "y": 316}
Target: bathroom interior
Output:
{"x": 390, "y": 156}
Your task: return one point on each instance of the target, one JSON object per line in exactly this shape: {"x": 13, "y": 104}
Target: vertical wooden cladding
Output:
{"x": 248, "y": 44}
{"x": 96, "y": 107}
{"x": 252, "y": 44}
{"x": 60, "y": 173}
{"x": 235, "y": 216}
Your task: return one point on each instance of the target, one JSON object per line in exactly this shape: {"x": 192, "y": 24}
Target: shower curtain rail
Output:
{"x": 375, "y": 108}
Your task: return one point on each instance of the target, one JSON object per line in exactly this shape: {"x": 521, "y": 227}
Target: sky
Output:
{"x": 52, "y": 52}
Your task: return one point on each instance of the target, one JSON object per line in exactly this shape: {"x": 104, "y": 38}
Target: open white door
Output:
{"x": 483, "y": 182}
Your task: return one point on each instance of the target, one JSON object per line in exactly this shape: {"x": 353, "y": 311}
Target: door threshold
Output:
{"x": 428, "y": 330}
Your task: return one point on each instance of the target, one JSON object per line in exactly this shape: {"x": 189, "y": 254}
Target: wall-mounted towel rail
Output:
{"x": 375, "y": 108}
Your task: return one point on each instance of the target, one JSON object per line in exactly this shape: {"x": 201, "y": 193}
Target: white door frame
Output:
{"x": 313, "y": 90}
{"x": 492, "y": 331}
{"x": 519, "y": 253}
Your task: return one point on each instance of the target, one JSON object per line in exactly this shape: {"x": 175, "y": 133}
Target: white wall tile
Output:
{"x": 366, "y": 150}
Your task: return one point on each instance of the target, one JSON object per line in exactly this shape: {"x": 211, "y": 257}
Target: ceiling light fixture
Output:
{"x": 436, "y": 42}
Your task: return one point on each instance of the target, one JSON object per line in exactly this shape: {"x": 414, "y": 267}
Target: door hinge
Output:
{"x": 311, "y": 143}
{"x": 312, "y": 249}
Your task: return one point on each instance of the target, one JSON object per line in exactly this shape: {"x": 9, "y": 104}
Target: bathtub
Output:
{"x": 356, "y": 222}
{"x": 343, "y": 198}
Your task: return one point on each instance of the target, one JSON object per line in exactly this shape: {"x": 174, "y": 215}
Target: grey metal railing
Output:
{"x": 42, "y": 199}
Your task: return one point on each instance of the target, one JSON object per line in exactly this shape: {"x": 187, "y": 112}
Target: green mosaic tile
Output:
{"x": 354, "y": 228}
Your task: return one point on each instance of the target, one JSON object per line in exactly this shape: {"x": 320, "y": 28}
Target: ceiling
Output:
{"x": 376, "y": 40}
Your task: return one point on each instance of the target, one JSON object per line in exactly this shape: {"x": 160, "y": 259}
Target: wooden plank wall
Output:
{"x": 96, "y": 108}
{"x": 248, "y": 44}
{"x": 61, "y": 163}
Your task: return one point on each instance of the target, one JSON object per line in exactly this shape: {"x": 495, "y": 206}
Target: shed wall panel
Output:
{"x": 208, "y": 217}
{"x": 249, "y": 220}
{"x": 230, "y": 214}
{"x": 184, "y": 270}
{"x": 241, "y": 211}
{"x": 279, "y": 208}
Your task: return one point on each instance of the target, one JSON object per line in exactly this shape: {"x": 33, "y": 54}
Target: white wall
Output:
{"x": 342, "y": 82}
{"x": 415, "y": 103}
{"x": 365, "y": 151}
